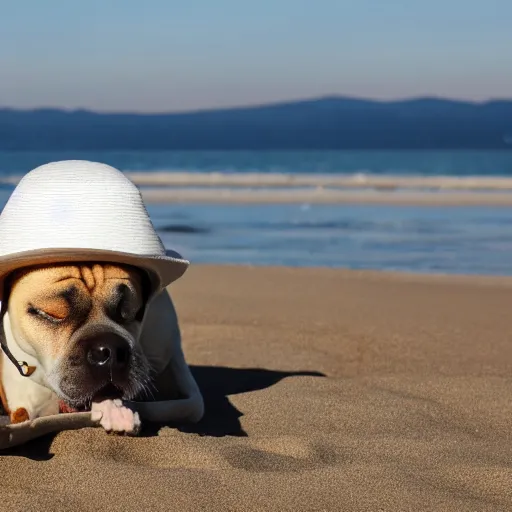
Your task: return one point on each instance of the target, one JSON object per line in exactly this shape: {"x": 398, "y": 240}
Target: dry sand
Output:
{"x": 325, "y": 390}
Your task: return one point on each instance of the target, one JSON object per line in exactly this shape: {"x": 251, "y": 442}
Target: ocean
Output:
{"x": 394, "y": 163}
{"x": 446, "y": 240}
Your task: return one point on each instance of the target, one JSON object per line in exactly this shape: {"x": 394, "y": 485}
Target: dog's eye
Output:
{"x": 44, "y": 315}
{"x": 124, "y": 313}
{"x": 123, "y": 308}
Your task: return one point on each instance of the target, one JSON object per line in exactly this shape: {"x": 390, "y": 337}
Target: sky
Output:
{"x": 165, "y": 55}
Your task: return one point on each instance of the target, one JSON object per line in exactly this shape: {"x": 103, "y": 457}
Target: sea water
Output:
{"x": 454, "y": 240}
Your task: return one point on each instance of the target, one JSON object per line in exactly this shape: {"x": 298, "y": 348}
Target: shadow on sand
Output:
{"x": 217, "y": 383}
{"x": 221, "y": 417}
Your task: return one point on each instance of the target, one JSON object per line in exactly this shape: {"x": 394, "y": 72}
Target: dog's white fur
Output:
{"x": 31, "y": 393}
{"x": 115, "y": 417}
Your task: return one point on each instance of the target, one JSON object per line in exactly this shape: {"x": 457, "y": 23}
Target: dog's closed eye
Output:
{"x": 54, "y": 313}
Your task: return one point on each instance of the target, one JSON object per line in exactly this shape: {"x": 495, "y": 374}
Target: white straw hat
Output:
{"x": 82, "y": 211}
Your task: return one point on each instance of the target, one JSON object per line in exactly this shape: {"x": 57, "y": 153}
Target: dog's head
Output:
{"x": 82, "y": 324}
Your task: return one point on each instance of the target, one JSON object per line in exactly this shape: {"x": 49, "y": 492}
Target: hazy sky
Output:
{"x": 164, "y": 55}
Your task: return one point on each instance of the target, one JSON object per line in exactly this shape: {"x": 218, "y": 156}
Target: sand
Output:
{"x": 359, "y": 188}
{"x": 217, "y": 195}
{"x": 276, "y": 179}
{"x": 265, "y": 188}
{"x": 325, "y": 390}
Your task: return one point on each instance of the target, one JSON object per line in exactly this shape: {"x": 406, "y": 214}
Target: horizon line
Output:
{"x": 254, "y": 106}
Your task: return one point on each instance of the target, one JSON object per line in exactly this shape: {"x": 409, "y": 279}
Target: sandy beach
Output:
{"x": 325, "y": 390}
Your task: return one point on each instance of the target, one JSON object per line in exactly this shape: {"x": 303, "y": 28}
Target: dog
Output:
{"x": 92, "y": 340}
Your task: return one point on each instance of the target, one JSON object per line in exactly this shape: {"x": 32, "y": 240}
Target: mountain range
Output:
{"x": 323, "y": 123}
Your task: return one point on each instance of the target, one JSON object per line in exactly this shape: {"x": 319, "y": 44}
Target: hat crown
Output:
{"x": 77, "y": 204}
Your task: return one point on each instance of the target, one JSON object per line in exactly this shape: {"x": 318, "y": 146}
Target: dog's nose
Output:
{"x": 108, "y": 350}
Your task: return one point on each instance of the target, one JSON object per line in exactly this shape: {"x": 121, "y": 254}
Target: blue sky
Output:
{"x": 165, "y": 55}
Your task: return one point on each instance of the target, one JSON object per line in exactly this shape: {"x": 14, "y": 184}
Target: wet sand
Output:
{"x": 264, "y": 188}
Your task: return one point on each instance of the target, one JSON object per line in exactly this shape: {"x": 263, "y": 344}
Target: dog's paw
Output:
{"x": 115, "y": 417}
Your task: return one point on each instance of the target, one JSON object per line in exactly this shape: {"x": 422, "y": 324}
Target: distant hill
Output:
{"x": 325, "y": 123}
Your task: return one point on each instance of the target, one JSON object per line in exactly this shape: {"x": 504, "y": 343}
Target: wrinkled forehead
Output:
{"x": 94, "y": 276}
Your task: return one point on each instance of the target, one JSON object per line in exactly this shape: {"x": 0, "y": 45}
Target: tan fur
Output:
{"x": 19, "y": 415}
{"x": 40, "y": 288}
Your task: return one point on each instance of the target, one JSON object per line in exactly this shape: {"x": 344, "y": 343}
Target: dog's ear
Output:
{"x": 146, "y": 288}
{"x": 6, "y": 285}
{"x": 3, "y": 288}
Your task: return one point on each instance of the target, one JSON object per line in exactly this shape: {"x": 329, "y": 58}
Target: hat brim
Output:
{"x": 163, "y": 270}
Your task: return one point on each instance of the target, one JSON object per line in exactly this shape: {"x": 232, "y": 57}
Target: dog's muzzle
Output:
{"x": 100, "y": 363}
